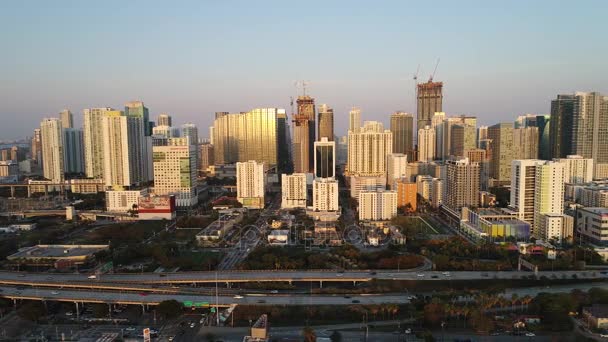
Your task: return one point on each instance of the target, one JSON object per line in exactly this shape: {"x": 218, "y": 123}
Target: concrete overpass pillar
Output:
{"x": 12, "y": 191}
{"x": 110, "y": 310}
{"x": 320, "y": 284}
{"x": 143, "y": 309}
{"x": 77, "y": 311}
{"x": 354, "y": 283}
{"x": 15, "y": 303}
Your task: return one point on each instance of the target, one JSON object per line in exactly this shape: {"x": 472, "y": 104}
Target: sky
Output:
{"x": 498, "y": 59}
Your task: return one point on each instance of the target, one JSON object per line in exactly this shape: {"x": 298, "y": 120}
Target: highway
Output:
{"x": 56, "y": 279}
{"x": 88, "y": 296}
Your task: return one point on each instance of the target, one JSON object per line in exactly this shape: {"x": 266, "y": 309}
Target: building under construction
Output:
{"x": 304, "y": 134}
{"x": 430, "y": 100}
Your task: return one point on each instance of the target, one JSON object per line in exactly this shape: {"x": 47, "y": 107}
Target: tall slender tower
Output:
{"x": 52, "y": 150}
{"x": 561, "y": 128}
{"x": 137, "y": 109}
{"x": 67, "y": 119}
{"x": 590, "y": 126}
{"x": 304, "y": 134}
{"x": 93, "y": 141}
{"x": 326, "y": 123}
{"x": 164, "y": 120}
{"x": 430, "y": 100}
{"x": 402, "y": 126}
{"x": 354, "y": 119}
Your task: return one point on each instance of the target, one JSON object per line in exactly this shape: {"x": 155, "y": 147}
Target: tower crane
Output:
{"x": 434, "y": 71}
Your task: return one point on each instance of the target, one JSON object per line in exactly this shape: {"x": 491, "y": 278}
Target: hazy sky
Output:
{"x": 499, "y": 59}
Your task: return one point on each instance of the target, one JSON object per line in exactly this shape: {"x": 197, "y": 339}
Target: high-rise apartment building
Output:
{"x": 562, "y": 126}
{"x": 354, "y": 119}
{"x": 164, "y": 120}
{"x": 406, "y": 194}
{"x": 396, "y": 169}
{"x": 548, "y": 195}
{"x": 304, "y": 134}
{"x": 247, "y": 136}
{"x": 590, "y": 126}
{"x": 52, "y": 150}
{"x": 165, "y": 132}
{"x": 325, "y": 158}
{"x": 577, "y": 170}
{"x": 138, "y": 110}
{"x": 367, "y": 150}
{"x": 502, "y": 151}
{"x": 250, "y": 184}
{"x": 523, "y": 187}
{"x": 426, "y": 144}
{"x": 190, "y": 131}
{"x": 437, "y": 123}
{"x": 93, "y": 141}
{"x": 462, "y": 184}
{"x": 206, "y": 156}
{"x": 326, "y": 123}
{"x": 174, "y": 162}
{"x": 482, "y": 134}
{"x": 36, "y": 146}
{"x": 430, "y": 101}
{"x": 293, "y": 191}
{"x": 377, "y": 205}
{"x": 325, "y": 195}
{"x": 430, "y": 189}
{"x": 124, "y": 153}
{"x": 402, "y": 126}
{"x": 73, "y": 153}
{"x": 525, "y": 142}
{"x": 67, "y": 119}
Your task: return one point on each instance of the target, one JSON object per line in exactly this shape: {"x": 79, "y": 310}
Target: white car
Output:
{"x": 238, "y": 297}
{"x": 447, "y": 274}
{"x": 192, "y": 325}
{"x": 530, "y": 334}
{"x": 274, "y": 291}
{"x": 92, "y": 277}
{"x": 130, "y": 329}
{"x": 420, "y": 275}
{"x": 54, "y": 293}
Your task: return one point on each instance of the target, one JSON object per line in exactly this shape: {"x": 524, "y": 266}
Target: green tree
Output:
{"x": 32, "y": 311}
{"x": 169, "y": 308}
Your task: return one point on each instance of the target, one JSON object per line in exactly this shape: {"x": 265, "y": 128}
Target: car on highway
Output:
{"x": 54, "y": 293}
{"x": 143, "y": 294}
{"x": 339, "y": 274}
{"x": 238, "y": 297}
{"x": 356, "y": 301}
{"x": 130, "y": 329}
{"x": 446, "y": 274}
{"x": 274, "y": 291}
{"x": 192, "y": 325}
{"x": 420, "y": 275}
{"x": 92, "y": 277}
{"x": 21, "y": 275}
{"x": 69, "y": 313}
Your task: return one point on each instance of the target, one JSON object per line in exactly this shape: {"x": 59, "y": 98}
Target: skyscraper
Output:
{"x": 402, "y": 126}
{"x": 426, "y": 144}
{"x": 523, "y": 187}
{"x": 502, "y": 151}
{"x": 190, "y": 131}
{"x": 250, "y": 184}
{"x": 247, "y": 136}
{"x": 164, "y": 120}
{"x": 284, "y": 162}
{"x": 124, "y": 151}
{"x": 36, "y": 146}
{"x": 93, "y": 141}
{"x": 304, "y": 134}
{"x": 462, "y": 139}
{"x": 463, "y": 183}
{"x": 73, "y": 153}
{"x": 548, "y": 195}
{"x": 52, "y": 150}
{"x": 430, "y": 100}
{"x": 562, "y": 126}
{"x": 591, "y": 130}
{"x": 207, "y": 156}
{"x": 367, "y": 150}
{"x": 326, "y": 123}
{"x": 543, "y": 122}
{"x": 437, "y": 123}
{"x": 577, "y": 170}
{"x": 174, "y": 161}
{"x": 354, "y": 119}
{"x": 396, "y": 169}
{"x": 325, "y": 158}
{"x": 67, "y": 119}
{"x": 137, "y": 109}
{"x": 525, "y": 143}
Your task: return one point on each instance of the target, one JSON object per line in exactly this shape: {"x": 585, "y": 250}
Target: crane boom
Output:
{"x": 434, "y": 71}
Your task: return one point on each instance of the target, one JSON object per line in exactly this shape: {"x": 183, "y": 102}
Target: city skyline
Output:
{"x": 49, "y": 67}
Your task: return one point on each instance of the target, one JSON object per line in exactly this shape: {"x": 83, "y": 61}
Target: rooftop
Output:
{"x": 598, "y": 310}
{"x": 57, "y": 251}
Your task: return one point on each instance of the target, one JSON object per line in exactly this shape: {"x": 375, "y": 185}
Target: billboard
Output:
{"x": 156, "y": 207}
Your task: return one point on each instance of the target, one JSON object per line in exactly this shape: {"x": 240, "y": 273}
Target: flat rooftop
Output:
{"x": 58, "y": 251}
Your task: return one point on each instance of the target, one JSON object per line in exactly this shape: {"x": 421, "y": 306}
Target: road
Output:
{"x": 132, "y": 298}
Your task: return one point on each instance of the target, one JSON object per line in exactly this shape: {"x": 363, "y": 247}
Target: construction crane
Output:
{"x": 416, "y": 81}
{"x": 434, "y": 71}
{"x": 303, "y": 85}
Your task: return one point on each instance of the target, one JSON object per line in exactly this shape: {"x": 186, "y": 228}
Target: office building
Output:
{"x": 525, "y": 143}
{"x": 368, "y": 149}
{"x": 73, "y": 153}
{"x": 402, "y": 126}
{"x": 285, "y": 164}
{"x": 53, "y": 165}
{"x": 430, "y": 101}
{"x": 93, "y": 141}
{"x": 354, "y": 119}
{"x": 543, "y": 122}
{"x": 592, "y": 225}
{"x": 578, "y": 170}
{"x": 138, "y": 110}
{"x": 462, "y": 184}
{"x": 325, "y": 158}
{"x": 36, "y": 146}
{"x": 501, "y": 151}
{"x": 463, "y": 138}
{"x": 482, "y": 134}
{"x": 562, "y": 126}
{"x": 247, "y": 136}
{"x": 174, "y": 162}
{"x": 342, "y": 150}
{"x": 250, "y": 184}
{"x": 407, "y": 193}
{"x": 325, "y": 195}
{"x": 426, "y": 144}
{"x": 164, "y": 120}
{"x": 124, "y": 153}
{"x": 165, "y": 132}
{"x": 293, "y": 191}
{"x": 396, "y": 169}
{"x": 206, "y": 156}
{"x": 326, "y": 123}
{"x": 377, "y": 205}
{"x": 590, "y": 125}
{"x": 190, "y": 131}
{"x": 304, "y": 134}
{"x": 437, "y": 123}
{"x": 67, "y": 119}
